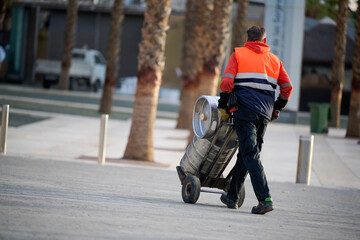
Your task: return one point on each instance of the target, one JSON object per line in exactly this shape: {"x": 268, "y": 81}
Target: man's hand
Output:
{"x": 224, "y": 98}
{"x": 224, "y": 114}
{"x": 275, "y": 115}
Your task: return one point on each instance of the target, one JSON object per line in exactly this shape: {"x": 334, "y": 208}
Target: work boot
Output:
{"x": 263, "y": 207}
{"x": 229, "y": 203}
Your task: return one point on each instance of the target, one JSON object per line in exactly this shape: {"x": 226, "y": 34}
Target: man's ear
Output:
{"x": 264, "y": 40}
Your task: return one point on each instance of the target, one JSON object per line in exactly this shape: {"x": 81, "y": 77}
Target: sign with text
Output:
{"x": 284, "y": 22}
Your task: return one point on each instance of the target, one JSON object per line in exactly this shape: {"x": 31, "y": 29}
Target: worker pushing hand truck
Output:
{"x": 209, "y": 153}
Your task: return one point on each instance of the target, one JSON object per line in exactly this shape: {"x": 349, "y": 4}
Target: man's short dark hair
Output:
{"x": 256, "y": 33}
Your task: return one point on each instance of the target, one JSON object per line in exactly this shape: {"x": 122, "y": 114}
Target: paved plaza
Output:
{"x": 51, "y": 199}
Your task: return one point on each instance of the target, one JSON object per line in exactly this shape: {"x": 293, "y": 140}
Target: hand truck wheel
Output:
{"x": 191, "y": 189}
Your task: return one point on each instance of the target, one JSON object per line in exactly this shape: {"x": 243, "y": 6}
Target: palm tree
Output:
{"x": 112, "y": 56}
{"x": 353, "y": 127}
{"x": 5, "y": 14}
{"x": 240, "y": 26}
{"x": 217, "y": 37}
{"x": 70, "y": 30}
{"x": 151, "y": 61}
{"x": 197, "y": 16}
{"x": 338, "y": 64}
{"x": 319, "y": 9}
{"x": 2, "y": 13}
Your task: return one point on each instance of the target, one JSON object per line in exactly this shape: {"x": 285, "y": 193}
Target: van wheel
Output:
{"x": 74, "y": 84}
{"x": 46, "y": 84}
{"x": 97, "y": 85}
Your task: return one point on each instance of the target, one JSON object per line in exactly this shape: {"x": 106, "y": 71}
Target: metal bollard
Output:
{"x": 102, "y": 140}
{"x": 4, "y": 127}
{"x": 304, "y": 160}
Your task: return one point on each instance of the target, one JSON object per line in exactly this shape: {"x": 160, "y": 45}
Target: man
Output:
{"x": 252, "y": 74}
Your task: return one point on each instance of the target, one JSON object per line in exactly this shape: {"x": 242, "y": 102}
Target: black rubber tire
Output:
{"x": 97, "y": 85}
{"x": 46, "y": 84}
{"x": 73, "y": 84}
{"x": 191, "y": 189}
{"x": 241, "y": 196}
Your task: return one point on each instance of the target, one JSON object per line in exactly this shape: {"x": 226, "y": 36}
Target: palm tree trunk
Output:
{"x": 112, "y": 57}
{"x": 189, "y": 94}
{"x": 5, "y": 14}
{"x": 240, "y": 26}
{"x": 339, "y": 63}
{"x": 2, "y": 13}
{"x": 218, "y": 35}
{"x": 184, "y": 120}
{"x": 140, "y": 144}
{"x": 151, "y": 60}
{"x": 197, "y": 17}
{"x": 213, "y": 45}
{"x": 70, "y": 30}
{"x": 353, "y": 127}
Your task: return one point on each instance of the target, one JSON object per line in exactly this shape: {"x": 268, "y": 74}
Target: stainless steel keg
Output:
{"x": 204, "y": 150}
{"x": 207, "y": 118}
{"x": 195, "y": 156}
{"x": 211, "y": 149}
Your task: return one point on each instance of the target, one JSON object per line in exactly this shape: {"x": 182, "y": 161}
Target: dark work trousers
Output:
{"x": 250, "y": 128}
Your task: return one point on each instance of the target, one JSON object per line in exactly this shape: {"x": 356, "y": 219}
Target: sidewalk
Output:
{"x": 75, "y": 138}
{"x": 75, "y": 103}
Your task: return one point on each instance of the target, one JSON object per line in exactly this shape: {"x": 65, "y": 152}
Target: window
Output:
{"x": 79, "y": 56}
{"x": 99, "y": 59}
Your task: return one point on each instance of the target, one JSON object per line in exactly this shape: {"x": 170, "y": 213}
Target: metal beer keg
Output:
{"x": 202, "y": 150}
{"x": 195, "y": 156}
{"x": 207, "y": 118}
{"x": 211, "y": 149}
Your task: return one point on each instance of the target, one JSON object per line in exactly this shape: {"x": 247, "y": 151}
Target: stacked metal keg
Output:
{"x": 202, "y": 156}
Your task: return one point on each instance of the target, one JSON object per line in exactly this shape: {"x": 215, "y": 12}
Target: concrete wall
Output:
{"x": 284, "y": 23}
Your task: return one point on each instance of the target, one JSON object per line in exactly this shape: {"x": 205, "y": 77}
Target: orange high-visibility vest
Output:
{"x": 257, "y": 70}
{"x": 256, "y": 80}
